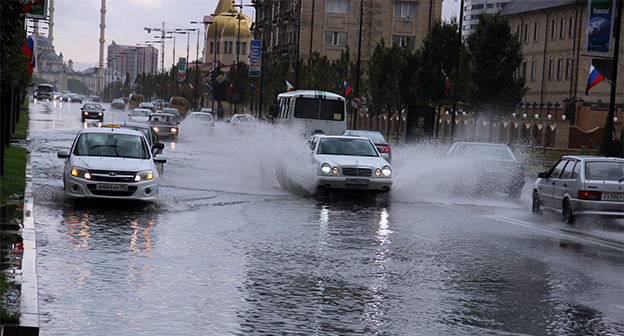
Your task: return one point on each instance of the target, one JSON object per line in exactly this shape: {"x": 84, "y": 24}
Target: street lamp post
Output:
{"x": 214, "y": 48}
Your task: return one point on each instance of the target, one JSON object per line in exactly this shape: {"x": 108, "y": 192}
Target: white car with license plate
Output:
{"x": 349, "y": 163}
{"x": 581, "y": 185}
{"x": 110, "y": 163}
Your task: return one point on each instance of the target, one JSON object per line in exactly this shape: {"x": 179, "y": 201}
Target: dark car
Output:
{"x": 151, "y": 136}
{"x": 94, "y": 98}
{"x": 92, "y": 111}
{"x": 173, "y": 111}
{"x": 164, "y": 124}
{"x": 378, "y": 139}
{"x": 65, "y": 97}
{"x": 76, "y": 98}
{"x": 118, "y": 104}
{"x": 486, "y": 168}
{"x": 149, "y": 106}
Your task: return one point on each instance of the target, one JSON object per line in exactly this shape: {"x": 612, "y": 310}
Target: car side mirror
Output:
{"x": 160, "y": 159}
{"x": 103, "y": 109}
{"x": 159, "y": 145}
{"x": 543, "y": 175}
{"x": 63, "y": 153}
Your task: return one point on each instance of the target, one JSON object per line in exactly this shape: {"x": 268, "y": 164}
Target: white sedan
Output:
{"x": 139, "y": 115}
{"x": 110, "y": 163}
{"x": 349, "y": 163}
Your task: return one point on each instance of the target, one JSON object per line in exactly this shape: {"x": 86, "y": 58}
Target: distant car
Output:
{"x": 201, "y": 119}
{"x": 206, "y": 109}
{"x": 147, "y": 130}
{"x": 485, "y": 168}
{"x": 110, "y": 163}
{"x": 94, "y": 98}
{"x": 348, "y": 163}
{"x": 139, "y": 115}
{"x": 164, "y": 124}
{"x": 150, "y": 106}
{"x": 118, "y": 104}
{"x": 377, "y": 138}
{"x": 243, "y": 122}
{"x": 57, "y": 95}
{"x": 76, "y": 98}
{"x": 92, "y": 111}
{"x": 65, "y": 97}
{"x": 581, "y": 185}
{"x": 173, "y": 111}
{"x": 160, "y": 103}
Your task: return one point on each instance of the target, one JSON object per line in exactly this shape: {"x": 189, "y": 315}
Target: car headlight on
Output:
{"x": 326, "y": 168}
{"x": 174, "y": 130}
{"x": 386, "y": 171}
{"x": 155, "y": 129}
{"x": 82, "y": 173}
{"x": 144, "y": 176}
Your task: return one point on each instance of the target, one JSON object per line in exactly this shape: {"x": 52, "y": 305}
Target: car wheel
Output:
{"x": 568, "y": 216}
{"x": 535, "y": 208}
{"x": 83, "y": 119}
{"x": 101, "y": 119}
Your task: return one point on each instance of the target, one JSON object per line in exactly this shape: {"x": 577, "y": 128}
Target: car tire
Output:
{"x": 568, "y": 216}
{"x": 535, "y": 207}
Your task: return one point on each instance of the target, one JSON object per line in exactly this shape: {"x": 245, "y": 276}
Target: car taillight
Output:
{"x": 384, "y": 149}
{"x": 589, "y": 195}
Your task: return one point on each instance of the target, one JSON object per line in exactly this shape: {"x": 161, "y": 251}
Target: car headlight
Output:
{"x": 81, "y": 172}
{"x": 174, "y": 130}
{"x": 155, "y": 129}
{"x": 386, "y": 171}
{"x": 143, "y": 175}
{"x": 327, "y": 169}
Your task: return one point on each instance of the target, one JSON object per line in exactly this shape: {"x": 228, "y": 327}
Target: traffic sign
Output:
{"x": 236, "y": 97}
{"x": 356, "y": 103}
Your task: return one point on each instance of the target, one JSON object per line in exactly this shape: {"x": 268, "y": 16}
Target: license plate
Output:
{"x": 357, "y": 181}
{"x": 112, "y": 187}
{"x": 613, "y": 197}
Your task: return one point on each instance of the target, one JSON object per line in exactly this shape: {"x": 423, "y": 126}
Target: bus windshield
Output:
{"x": 323, "y": 109}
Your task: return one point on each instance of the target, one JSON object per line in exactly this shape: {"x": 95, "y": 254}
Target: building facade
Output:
{"x": 302, "y": 28}
{"x": 132, "y": 60}
{"x": 472, "y": 9}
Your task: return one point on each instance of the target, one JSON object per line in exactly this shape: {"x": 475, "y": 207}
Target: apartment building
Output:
{"x": 472, "y": 10}
{"x": 133, "y": 60}
{"x": 303, "y": 27}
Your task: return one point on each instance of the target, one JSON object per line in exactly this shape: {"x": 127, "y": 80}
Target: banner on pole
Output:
{"x": 181, "y": 69}
{"x": 599, "y": 28}
{"x": 255, "y": 61}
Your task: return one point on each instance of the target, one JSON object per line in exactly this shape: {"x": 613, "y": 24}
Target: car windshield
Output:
{"x": 202, "y": 116}
{"x": 117, "y": 101}
{"x": 244, "y": 119}
{"x": 604, "y": 171}
{"x": 375, "y": 136}
{"x": 145, "y": 131}
{"x": 112, "y": 145}
{"x": 140, "y": 113}
{"x": 173, "y": 111}
{"x": 487, "y": 152}
{"x": 163, "y": 119}
{"x": 93, "y": 106}
{"x": 357, "y": 147}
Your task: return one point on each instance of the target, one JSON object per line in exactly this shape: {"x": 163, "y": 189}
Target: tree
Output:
{"x": 384, "y": 73}
{"x": 495, "y": 55}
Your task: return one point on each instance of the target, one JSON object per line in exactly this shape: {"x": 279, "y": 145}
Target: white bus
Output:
{"x": 44, "y": 91}
{"x": 317, "y": 111}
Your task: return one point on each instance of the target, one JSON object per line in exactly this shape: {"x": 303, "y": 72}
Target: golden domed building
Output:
{"x": 228, "y": 36}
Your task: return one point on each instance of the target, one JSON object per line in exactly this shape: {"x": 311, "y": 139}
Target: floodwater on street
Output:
{"x": 227, "y": 251}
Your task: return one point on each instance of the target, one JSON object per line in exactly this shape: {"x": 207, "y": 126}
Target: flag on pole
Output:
{"x": 28, "y": 50}
{"x": 448, "y": 83}
{"x": 209, "y": 87}
{"x": 180, "y": 86}
{"x": 169, "y": 85}
{"x": 594, "y": 78}
{"x": 289, "y": 86}
{"x": 254, "y": 88}
{"x": 231, "y": 87}
{"x": 191, "y": 87}
{"x": 347, "y": 89}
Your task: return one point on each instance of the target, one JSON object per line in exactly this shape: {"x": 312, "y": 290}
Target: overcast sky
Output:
{"x": 76, "y": 29}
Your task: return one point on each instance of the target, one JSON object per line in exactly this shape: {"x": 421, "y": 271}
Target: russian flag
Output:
{"x": 347, "y": 88}
{"x": 594, "y": 78}
{"x": 209, "y": 87}
{"x": 180, "y": 86}
{"x": 28, "y": 50}
{"x": 254, "y": 88}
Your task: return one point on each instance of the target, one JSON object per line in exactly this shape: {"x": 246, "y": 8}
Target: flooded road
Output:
{"x": 226, "y": 251}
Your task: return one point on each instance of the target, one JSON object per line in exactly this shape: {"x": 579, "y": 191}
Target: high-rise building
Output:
{"x": 132, "y": 60}
{"x": 472, "y": 9}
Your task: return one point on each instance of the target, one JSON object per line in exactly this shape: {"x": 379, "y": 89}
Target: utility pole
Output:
{"x": 102, "y": 41}
{"x": 616, "y": 34}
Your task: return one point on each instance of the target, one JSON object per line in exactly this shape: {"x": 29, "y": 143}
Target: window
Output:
{"x": 562, "y": 29}
{"x": 477, "y": 6}
{"x": 335, "y": 38}
{"x": 337, "y": 6}
{"x": 553, "y": 29}
{"x": 556, "y": 170}
{"x": 571, "y": 28}
{"x": 519, "y": 32}
{"x": 536, "y": 32}
{"x": 567, "y": 171}
{"x": 218, "y": 47}
{"x": 405, "y": 9}
{"x": 211, "y": 47}
{"x": 244, "y": 46}
{"x": 559, "y": 68}
{"x": 569, "y": 64}
{"x": 526, "y": 33}
{"x": 524, "y": 66}
{"x": 551, "y": 69}
{"x": 407, "y": 41}
{"x": 533, "y": 70}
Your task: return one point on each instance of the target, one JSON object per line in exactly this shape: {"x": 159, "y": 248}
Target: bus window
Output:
{"x": 324, "y": 109}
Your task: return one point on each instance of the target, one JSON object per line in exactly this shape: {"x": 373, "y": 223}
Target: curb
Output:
{"x": 29, "y": 302}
